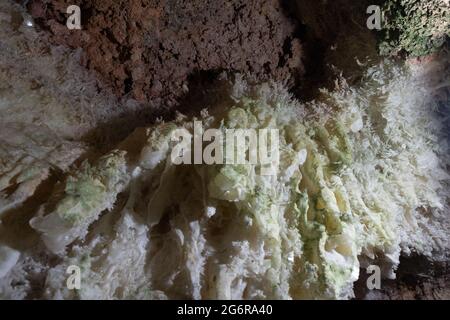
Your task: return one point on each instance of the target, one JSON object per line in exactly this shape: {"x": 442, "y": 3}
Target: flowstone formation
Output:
{"x": 360, "y": 180}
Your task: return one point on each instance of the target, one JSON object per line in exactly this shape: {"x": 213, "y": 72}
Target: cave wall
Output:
{"x": 149, "y": 48}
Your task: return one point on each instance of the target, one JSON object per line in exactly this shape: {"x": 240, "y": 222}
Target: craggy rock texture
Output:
{"x": 417, "y": 279}
{"x": 44, "y": 85}
{"x": 149, "y": 48}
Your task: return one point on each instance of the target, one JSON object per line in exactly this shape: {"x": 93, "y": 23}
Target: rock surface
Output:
{"x": 417, "y": 279}
{"x": 150, "y": 48}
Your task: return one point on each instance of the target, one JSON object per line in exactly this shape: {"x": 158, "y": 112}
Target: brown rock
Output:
{"x": 149, "y": 48}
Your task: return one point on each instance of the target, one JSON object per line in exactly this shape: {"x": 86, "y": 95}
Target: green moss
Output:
{"x": 416, "y": 27}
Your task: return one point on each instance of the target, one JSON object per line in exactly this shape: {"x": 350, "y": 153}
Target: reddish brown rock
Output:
{"x": 149, "y": 48}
